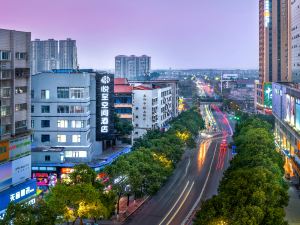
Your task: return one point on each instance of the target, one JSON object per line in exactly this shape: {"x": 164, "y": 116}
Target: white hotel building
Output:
{"x": 152, "y": 108}
{"x": 64, "y": 114}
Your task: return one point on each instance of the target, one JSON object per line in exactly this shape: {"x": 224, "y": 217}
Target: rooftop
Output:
{"x": 123, "y": 89}
{"x": 47, "y": 149}
{"x": 120, "y": 81}
{"x": 142, "y": 87}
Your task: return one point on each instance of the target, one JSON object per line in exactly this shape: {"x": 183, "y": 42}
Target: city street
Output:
{"x": 195, "y": 179}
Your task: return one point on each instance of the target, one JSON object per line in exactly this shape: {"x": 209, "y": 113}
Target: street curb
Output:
{"x": 142, "y": 203}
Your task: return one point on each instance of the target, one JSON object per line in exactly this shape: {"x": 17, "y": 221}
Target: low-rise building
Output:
{"x": 152, "y": 108}
{"x": 123, "y": 98}
{"x": 286, "y": 110}
{"x": 166, "y": 83}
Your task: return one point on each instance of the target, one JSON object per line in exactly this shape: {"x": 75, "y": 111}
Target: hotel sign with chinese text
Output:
{"x": 104, "y": 105}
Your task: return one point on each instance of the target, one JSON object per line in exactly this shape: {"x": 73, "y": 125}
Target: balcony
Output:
{"x": 123, "y": 105}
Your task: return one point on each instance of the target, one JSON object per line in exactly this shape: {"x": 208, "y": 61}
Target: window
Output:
{"x": 76, "y": 109}
{"x": 61, "y": 138}
{"x": 77, "y": 123}
{"x": 45, "y": 123}
{"x": 75, "y": 154}
{"x": 77, "y": 93}
{"x": 21, "y": 90}
{"x": 5, "y": 92}
{"x": 4, "y": 55}
{"x": 45, "y": 94}
{"x": 32, "y": 108}
{"x": 88, "y": 136}
{"x": 20, "y": 107}
{"x": 32, "y": 123}
{"x": 32, "y": 93}
{"x": 62, "y": 92}
{"x": 62, "y": 123}
{"x": 5, "y": 74}
{"x": 75, "y": 138}
{"x": 47, "y": 158}
{"x": 21, "y": 124}
{"x": 20, "y": 55}
{"x": 45, "y": 138}
{"x": 45, "y": 109}
{"x": 5, "y": 110}
{"x": 62, "y": 109}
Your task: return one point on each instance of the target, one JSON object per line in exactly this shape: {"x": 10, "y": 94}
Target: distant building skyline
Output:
{"x": 177, "y": 34}
{"x": 50, "y": 54}
{"x": 132, "y": 67}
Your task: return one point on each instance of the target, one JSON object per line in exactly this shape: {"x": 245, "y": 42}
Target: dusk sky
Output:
{"x": 175, "y": 33}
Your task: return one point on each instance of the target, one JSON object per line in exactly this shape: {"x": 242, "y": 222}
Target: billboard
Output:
{"x": 267, "y": 13}
{"x": 298, "y": 114}
{"x": 19, "y": 147}
{"x": 14, "y": 172}
{"x": 292, "y": 111}
{"x": 288, "y": 106}
{"x": 104, "y": 105}
{"x": 21, "y": 169}
{"x": 5, "y": 175}
{"x": 17, "y": 193}
{"x": 268, "y": 95}
{"x": 4, "y": 151}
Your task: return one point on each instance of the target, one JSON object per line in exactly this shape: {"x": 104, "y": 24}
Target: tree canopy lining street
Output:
{"x": 154, "y": 156}
{"x": 252, "y": 190}
{"x": 139, "y": 173}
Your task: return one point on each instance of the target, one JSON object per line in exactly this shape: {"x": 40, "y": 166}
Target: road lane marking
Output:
{"x": 186, "y": 169}
{"x": 175, "y": 203}
{"x": 202, "y": 191}
{"x": 180, "y": 206}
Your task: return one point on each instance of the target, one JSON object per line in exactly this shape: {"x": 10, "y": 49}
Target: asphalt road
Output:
{"x": 195, "y": 179}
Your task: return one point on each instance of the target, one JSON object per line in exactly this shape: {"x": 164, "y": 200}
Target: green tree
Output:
{"x": 23, "y": 214}
{"x": 83, "y": 174}
{"x": 73, "y": 202}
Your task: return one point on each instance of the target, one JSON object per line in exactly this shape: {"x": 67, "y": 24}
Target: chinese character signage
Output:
{"x": 267, "y": 13}
{"x": 268, "y": 95}
{"x": 104, "y": 105}
{"x": 17, "y": 193}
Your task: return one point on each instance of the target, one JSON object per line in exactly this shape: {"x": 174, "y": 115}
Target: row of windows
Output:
{"x": 63, "y": 109}
{"x": 69, "y": 154}
{"x": 5, "y": 91}
{"x": 64, "y": 92}
{"x": 20, "y": 107}
{"x": 6, "y": 55}
{"x": 63, "y": 123}
{"x": 62, "y": 138}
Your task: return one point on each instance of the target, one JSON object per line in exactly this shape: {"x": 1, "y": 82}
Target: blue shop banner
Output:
{"x": 17, "y": 193}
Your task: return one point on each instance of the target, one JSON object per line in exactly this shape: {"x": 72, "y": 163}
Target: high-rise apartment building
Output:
{"x": 44, "y": 55}
{"x": 15, "y": 144}
{"x": 295, "y": 36}
{"x": 274, "y": 49}
{"x": 52, "y": 54}
{"x": 132, "y": 67}
{"x": 67, "y": 54}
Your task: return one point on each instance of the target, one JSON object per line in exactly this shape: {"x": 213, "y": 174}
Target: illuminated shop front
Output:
{"x": 286, "y": 109}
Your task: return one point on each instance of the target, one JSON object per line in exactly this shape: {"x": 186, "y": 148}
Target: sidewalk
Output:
{"x": 126, "y": 211}
{"x": 293, "y": 209}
